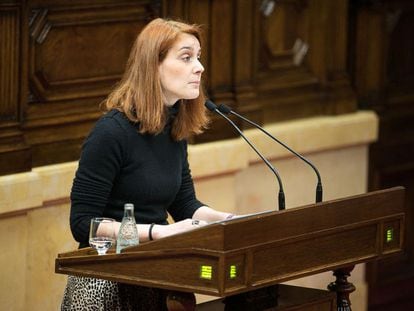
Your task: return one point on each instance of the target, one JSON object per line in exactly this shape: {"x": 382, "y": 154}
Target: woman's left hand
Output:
{"x": 162, "y": 231}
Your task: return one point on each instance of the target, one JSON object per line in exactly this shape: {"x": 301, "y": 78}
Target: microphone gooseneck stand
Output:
{"x": 281, "y": 196}
{"x": 319, "y": 190}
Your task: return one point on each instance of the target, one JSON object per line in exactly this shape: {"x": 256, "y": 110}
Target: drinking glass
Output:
{"x": 102, "y": 234}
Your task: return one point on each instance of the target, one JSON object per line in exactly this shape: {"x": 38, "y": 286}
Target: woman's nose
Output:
{"x": 198, "y": 68}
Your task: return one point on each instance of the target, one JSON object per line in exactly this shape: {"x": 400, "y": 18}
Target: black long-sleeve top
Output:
{"x": 119, "y": 165}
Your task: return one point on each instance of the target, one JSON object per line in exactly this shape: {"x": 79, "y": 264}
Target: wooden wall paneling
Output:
{"x": 76, "y": 54}
{"x": 371, "y": 55}
{"x": 13, "y": 148}
{"x": 318, "y": 21}
{"x": 245, "y": 92}
{"x": 174, "y": 9}
{"x": 220, "y": 70}
{"x": 221, "y": 35}
{"x": 301, "y": 59}
{"x": 328, "y": 54}
{"x": 282, "y": 84}
{"x": 400, "y": 65}
{"x": 384, "y": 81}
{"x": 341, "y": 96}
{"x": 271, "y": 60}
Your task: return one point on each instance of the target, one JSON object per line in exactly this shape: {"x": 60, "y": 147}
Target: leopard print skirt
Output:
{"x": 87, "y": 294}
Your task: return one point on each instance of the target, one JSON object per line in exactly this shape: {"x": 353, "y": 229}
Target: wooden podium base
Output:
{"x": 289, "y": 298}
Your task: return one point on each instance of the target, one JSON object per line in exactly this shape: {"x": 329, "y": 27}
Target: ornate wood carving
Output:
{"x": 342, "y": 288}
{"x": 77, "y": 53}
{"x": 272, "y": 60}
{"x": 91, "y": 38}
{"x": 301, "y": 59}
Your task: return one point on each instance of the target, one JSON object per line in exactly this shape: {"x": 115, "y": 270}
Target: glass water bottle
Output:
{"x": 128, "y": 233}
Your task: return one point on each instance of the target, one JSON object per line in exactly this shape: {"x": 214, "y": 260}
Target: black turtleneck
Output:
{"x": 119, "y": 165}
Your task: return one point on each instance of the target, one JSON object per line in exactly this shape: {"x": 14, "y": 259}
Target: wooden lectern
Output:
{"x": 258, "y": 252}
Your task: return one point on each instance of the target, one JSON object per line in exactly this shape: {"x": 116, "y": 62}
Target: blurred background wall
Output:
{"x": 333, "y": 79}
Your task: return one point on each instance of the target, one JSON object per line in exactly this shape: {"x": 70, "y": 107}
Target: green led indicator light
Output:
{"x": 233, "y": 272}
{"x": 206, "y": 272}
{"x": 390, "y": 235}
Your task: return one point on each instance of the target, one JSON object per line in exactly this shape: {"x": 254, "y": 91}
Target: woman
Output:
{"x": 137, "y": 153}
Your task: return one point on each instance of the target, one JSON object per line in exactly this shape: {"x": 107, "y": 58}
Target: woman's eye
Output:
{"x": 188, "y": 58}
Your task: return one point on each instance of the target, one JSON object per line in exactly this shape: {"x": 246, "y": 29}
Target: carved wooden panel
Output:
{"x": 91, "y": 39}
{"x": 300, "y": 65}
{"x": 271, "y": 60}
{"x": 76, "y": 54}
{"x": 277, "y": 60}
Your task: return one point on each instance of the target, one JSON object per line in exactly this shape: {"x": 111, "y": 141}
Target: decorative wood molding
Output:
{"x": 9, "y": 70}
{"x": 61, "y": 36}
{"x": 76, "y": 54}
{"x": 270, "y": 60}
{"x": 14, "y": 153}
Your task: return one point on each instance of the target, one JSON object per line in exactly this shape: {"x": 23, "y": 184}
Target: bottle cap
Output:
{"x": 129, "y": 206}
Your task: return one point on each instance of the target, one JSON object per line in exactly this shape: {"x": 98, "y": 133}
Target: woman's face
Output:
{"x": 180, "y": 71}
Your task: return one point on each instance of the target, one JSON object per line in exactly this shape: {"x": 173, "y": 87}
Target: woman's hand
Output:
{"x": 210, "y": 215}
{"x": 162, "y": 231}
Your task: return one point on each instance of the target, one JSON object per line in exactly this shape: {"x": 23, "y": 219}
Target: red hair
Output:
{"x": 139, "y": 93}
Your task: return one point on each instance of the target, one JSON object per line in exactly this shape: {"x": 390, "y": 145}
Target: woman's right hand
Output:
{"x": 162, "y": 231}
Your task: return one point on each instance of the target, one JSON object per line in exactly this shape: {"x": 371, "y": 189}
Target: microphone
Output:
{"x": 319, "y": 191}
{"x": 212, "y": 107}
